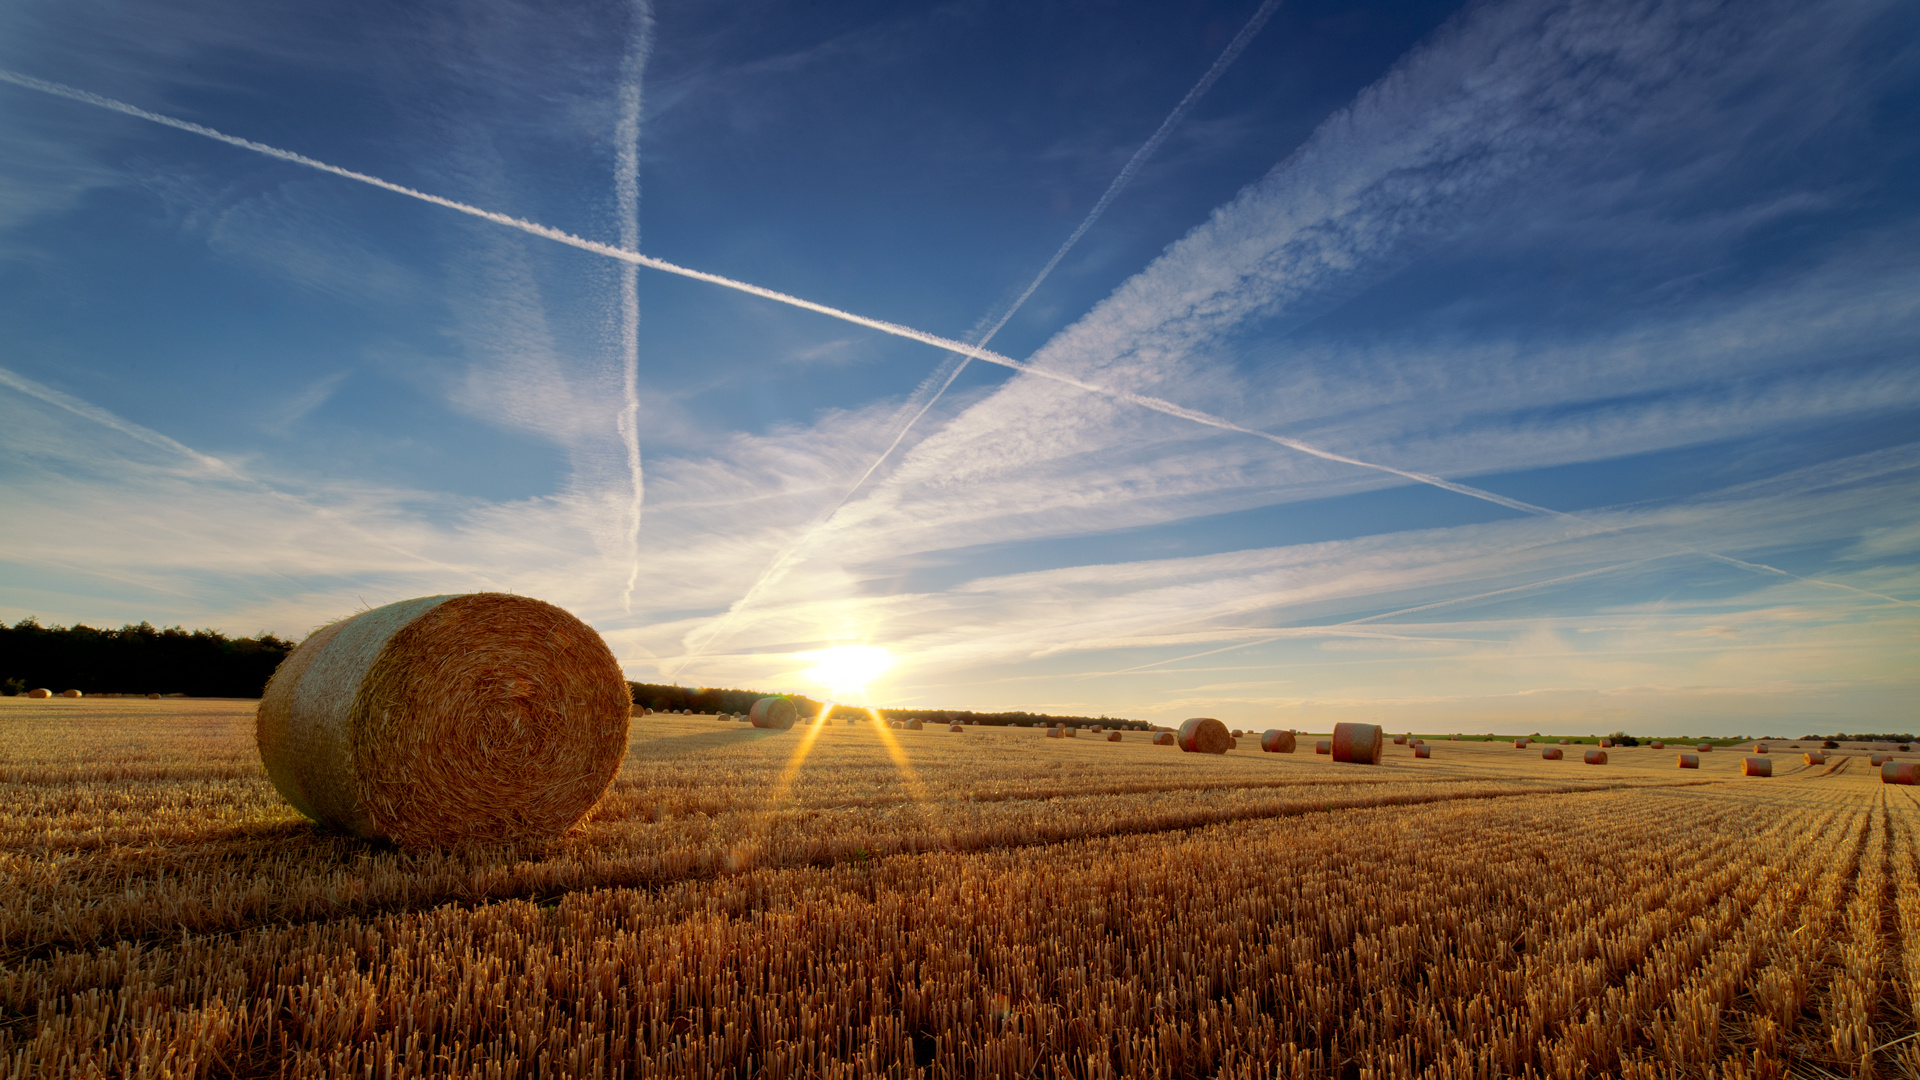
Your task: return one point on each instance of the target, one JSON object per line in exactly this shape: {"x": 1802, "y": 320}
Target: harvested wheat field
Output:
{"x": 860, "y": 901}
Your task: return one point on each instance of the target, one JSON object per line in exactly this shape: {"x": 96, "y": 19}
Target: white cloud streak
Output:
{"x": 627, "y": 203}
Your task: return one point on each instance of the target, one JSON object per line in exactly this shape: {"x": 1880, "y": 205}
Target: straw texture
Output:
{"x": 1596, "y": 757}
{"x": 1756, "y": 766}
{"x": 1689, "y": 761}
{"x": 446, "y": 720}
{"x": 1900, "y": 772}
{"x": 1358, "y": 744}
{"x": 1278, "y": 742}
{"x": 1204, "y": 735}
{"x": 1552, "y": 753}
{"x": 777, "y": 713}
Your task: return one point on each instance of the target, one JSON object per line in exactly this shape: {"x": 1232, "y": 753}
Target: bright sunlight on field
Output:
{"x": 988, "y": 902}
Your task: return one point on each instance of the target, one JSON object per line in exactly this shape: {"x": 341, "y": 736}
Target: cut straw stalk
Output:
{"x": 445, "y": 720}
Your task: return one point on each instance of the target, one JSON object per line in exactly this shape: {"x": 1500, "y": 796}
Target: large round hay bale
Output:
{"x": 1204, "y": 735}
{"x": 1657, "y": 745}
{"x": 1756, "y": 766}
{"x": 1595, "y": 757}
{"x": 447, "y": 719}
{"x": 1606, "y": 744}
{"x": 915, "y": 725}
{"x": 1759, "y": 748}
{"x": 1814, "y": 758}
{"x": 1521, "y": 744}
{"x": 1358, "y": 744}
{"x": 71, "y": 693}
{"x": 1877, "y": 760}
{"x": 1323, "y": 746}
{"x": 1423, "y": 751}
{"x": 1689, "y": 761}
{"x": 1552, "y": 753}
{"x": 956, "y": 726}
{"x": 1277, "y": 742}
{"x": 1113, "y": 736}
{"x": 1164, "y": 738}
{"x": 1056, "y": 732}
{"x": 1399, "y": 740}
{"x": 1900, "y": 772}
{"x": 775, "y": 713}
{"x": 40, "y": 692}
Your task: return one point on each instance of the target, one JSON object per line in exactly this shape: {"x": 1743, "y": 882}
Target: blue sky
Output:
{"x": 1511, "y": 365}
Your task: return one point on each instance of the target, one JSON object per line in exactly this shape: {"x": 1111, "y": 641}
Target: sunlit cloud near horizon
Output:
{"x": 1516, "y": 366}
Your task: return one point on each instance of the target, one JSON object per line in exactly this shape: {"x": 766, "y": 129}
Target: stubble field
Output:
{"x": 853, "y": 901}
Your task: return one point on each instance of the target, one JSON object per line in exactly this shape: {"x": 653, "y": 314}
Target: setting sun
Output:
{"x": 847, "y": 669}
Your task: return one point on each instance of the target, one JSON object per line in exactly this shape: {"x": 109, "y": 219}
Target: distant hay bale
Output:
{"x": 71, "y": 693}
{"x": 1422, "y": 751}
{"x": 40, "y": 692}
{"x": 1756, "y": 766}
{"x": 1829, "y": 745}
{"x": 1113, "y": 736}
{"x": 1552, "y": 753}
{"x": 774, "y": 713}
{"x": 956, "y": 727}
{"x": 1813, "y": 758}
{"x": 1595, "y": 757}
{"x": 724, "y": 718}
{"x": 1878, "y": 760}
{"x": 1204, "y": 735}
{"x": 1759, "y": 748}
{"x": 1357, "y": 744}
{"x": 1277, "y": 742}
{"x": 447, "y": 719}
{"x": 1704, "y": 748}
{"x": 1164, "y": 738}
{"x": 1521, "y": 744}
{"x": 1606, "y": 744}
{"x": 915, "y": 725}
{"x": 1323, "y": 746}
{"x": 1072, "y": 732}
{"x": 1659, "y": 745}
{"x": 1399, "y": 740}
{"x": 1566, "y": 742}
{"x": 1056, "y": 732}
{"x": 1689, "y": 761}
{"x": 153, "y": 697}
{"x": 1455, "y": 736}
{"x": 1900, "y": 772}
{"x": 1903, "y": 747}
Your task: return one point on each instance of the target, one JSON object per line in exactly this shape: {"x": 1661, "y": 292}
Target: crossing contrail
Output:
{"x": 548, "y": 232}
{"x": 626, "y": 190}
{"x": 952, "y": 371}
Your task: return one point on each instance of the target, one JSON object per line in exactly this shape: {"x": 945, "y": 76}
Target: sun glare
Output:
{"x": 847, "y": 669}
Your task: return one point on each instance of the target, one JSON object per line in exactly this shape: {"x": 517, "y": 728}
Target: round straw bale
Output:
{"x": 1606, "y": 744}
{"x": 1399, "y": 740}
{"x": 1756, "y": 766}
{"x": 955, "y": 727}
{"x": 1357, "y": 744}
{"x": 1521, "y": 744}
{"x": 777, "y": 713}
{"x": 1759, "y": 748}
{"x": 1658, "y": 745}
{"x": 1829, "y": 745}
{"x": 1566, "y": 742}
{"x": 1705, "y": 748}
{"x": 447, "y": 719}
{"x": 1596, "y": 757}
{"x": 724, "y": 718}
{"x": 1204, "y": 735}
{"x": 71, "y": 693}
{"x": 40, "y": 692}
{"x": 1689, "y": 761}
{"x": 1056, "y": 732}
{"x": 1900, "y": 772}
{"x": 1455, "y": 736}
{"x": 1422, "y": 751}
{"x": 1552, "y": 753}
{"x": 1323, "y": 746}
{"x": 1878, "y": 760}
{"x": 1113, "y": 736}
{"x": 915, "y": 725}
{"x": 1164, "y": 738}
{"x": 1277, "y": 742}
{"x": 1814, "y": 758}
{"x": 153, "y": 697}
{"x": 1073, "y": 733}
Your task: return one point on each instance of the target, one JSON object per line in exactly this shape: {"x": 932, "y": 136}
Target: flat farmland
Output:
{"x": 857, "y": 901}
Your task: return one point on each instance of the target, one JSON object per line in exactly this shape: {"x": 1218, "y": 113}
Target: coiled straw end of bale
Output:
{"x": 447, "y": 720}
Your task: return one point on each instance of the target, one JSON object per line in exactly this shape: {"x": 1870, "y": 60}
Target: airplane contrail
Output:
{"x": 548, "y": 232}
{"x": 626, "y": 187}
{"x": 1146, "y": 150}
{"x": 611, "y": 251}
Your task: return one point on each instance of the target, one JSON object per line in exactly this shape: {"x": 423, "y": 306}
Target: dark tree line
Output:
{"x": 136, "y": 660}
{"x": 661, "y": 698}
